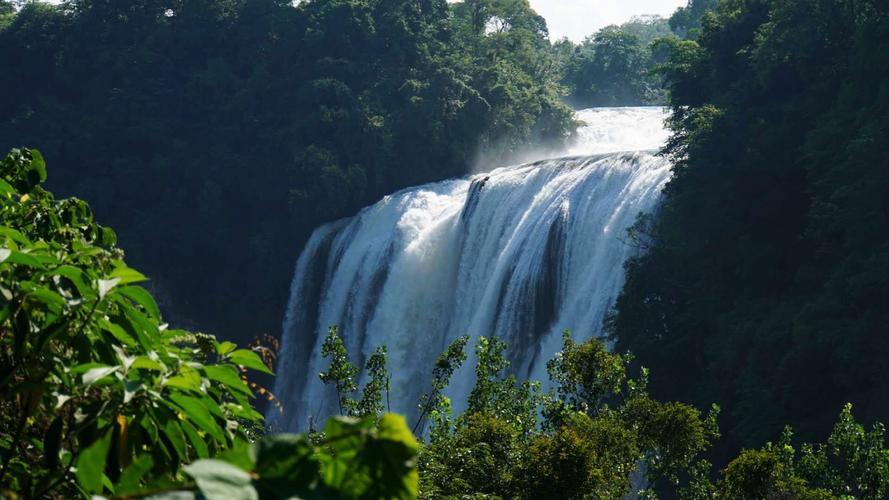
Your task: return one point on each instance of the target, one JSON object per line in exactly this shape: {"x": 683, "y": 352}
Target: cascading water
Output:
{"x": 520, "y": 253}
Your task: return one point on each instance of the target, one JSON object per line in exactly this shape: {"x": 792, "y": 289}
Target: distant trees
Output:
{"x": 686, "y": 21}
{"x": 617, "y": 66}
{"x": 609, "y": 68}
{"x": 236, "y": 127}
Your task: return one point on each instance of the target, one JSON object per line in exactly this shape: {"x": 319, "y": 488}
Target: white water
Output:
{"x": 521, "y": 252}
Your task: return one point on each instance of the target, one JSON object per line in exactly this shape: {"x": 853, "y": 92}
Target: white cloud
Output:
{"x": 576, "y": 19}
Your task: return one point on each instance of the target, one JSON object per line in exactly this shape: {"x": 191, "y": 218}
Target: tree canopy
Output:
{"x": 257, "y": 120}
{"x": 766, "y": 287}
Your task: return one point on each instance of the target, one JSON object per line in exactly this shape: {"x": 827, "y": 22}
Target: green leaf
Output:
{"x": 174, "y": 434}
{"x": 37, "y": 167}
{"x": 249, "y": 359}
{"x": 132, "y": 475}
{"x": 393, "y": 427}
{"x": 371, "y": 463}
{"x": 146, "y": 363}
{"x": 127, "y": 275}
{"x": 91, "y": 464}
{"x": 219, "y": 480}
{"x": 223, "y": 348}
{"x": 24, "y": 259}
{"x": 229, "y": 377}
{"x": 48, "y": 297}
{"x": 243, "y": 411}
{"x": 107, "y": 237}
{"x": 141, "y": 296}
{"x": 188, "y": 379}
{"x": 143, "y": 328}
{"x": 341, "y": 467}
{"x": 78, "y": 277}
{"x": 5, "y": 188}
{"x": 239, "y": 455}
{"x": 197, "y": 442}
{"x": 117, "y": 332}
{"x": 80, "y": 369}
{"x": 196, "y": 412}
{"x": 15, "y": 236}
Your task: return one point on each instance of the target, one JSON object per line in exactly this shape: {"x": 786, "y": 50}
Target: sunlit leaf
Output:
{"x": 188, "y": 380}
{"x": 126, "y": 275}
{"x": 95, "y": 374}
{"x": 229, "y": 377}
{"x": 105, "y": 286}
{"x": 249, "y": 359}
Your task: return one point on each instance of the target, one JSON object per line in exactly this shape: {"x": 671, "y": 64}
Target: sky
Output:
{"x": 576, "y": 19}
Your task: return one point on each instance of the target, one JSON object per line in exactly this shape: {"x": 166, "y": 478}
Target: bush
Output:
{"x": 98, "y": 395}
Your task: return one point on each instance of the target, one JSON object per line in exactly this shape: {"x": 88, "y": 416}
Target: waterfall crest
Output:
{"x": 520, "y": 253}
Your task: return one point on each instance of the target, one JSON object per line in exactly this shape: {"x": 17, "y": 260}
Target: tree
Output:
{"x": 686, "y": 21}
{"x": 598, "y": 426}
{"x": 95, "y": 389}
{"x": 764, "y": 287}
{"x": 617, "y": 66}
{"x": 259, "y": 120}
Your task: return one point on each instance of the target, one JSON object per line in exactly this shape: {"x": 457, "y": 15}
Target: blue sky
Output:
{"x": 576, "y": 19}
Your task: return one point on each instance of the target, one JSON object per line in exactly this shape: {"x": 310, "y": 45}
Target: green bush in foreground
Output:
{"x": 98, "y": 396}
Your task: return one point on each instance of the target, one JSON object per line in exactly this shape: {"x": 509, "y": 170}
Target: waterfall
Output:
{"x": 520, "y": 253}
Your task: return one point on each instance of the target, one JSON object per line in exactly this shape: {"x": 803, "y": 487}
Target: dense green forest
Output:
{"x": 617, "y": 65}
{"x": 235, "y": 127}
{"x": 214, "y": 135}
{"x": 766, "y": 287}
{"x": 100, "y": 396}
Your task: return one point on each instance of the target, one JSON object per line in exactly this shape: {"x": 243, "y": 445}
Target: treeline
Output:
{"x": 616, "y": 66}
{"x": 216, "y": 134}
{"x": 236, "y": 127}
{"x": 766, "y": 289}
{"x": 622, "y": 65}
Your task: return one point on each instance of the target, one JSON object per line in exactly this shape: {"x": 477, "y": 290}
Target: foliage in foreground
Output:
{"x": 599, "y": 434}
{"x": 373, "y": 457}
{"x": 98, "y": 396}
{"x": 97, "y": 393}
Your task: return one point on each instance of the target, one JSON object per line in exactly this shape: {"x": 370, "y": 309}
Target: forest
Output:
{"x": 213, "y": 136}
